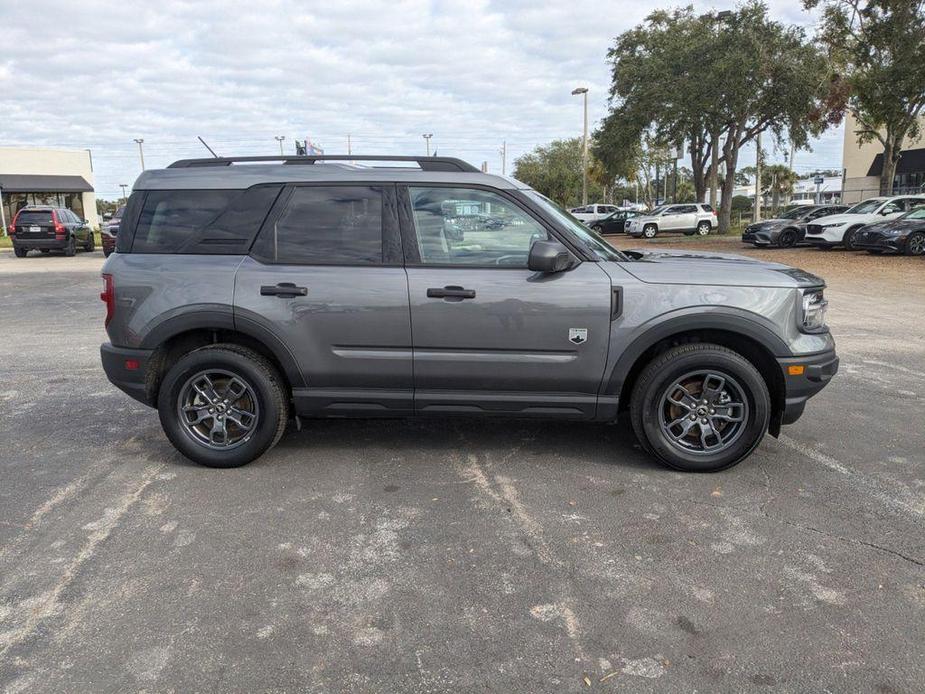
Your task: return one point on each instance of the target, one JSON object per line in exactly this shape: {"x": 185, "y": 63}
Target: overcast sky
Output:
{"x": 474, "y": 73}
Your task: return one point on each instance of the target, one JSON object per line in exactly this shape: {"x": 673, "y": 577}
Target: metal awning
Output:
{"x": 41, "y": 183}
{"x": 911, "y": 161}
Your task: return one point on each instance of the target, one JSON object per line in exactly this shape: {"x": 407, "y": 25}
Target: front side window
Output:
{"x": 325, "y": 225}
{"x": 582, "y": 234}
{"x": 466, "y": 226}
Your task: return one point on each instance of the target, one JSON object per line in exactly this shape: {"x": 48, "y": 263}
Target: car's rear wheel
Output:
{"x": 700, "y": 407}
{"x": 787, "y": 238}
{"x": 21, "y": 252}
{"x": 704, "y": 228}
{"x": 848, "y": 239}
{"x": 915, "y": 244}
{"x": 70, "y": 250}
{"x": 223, "y": 405}
{"x": 649, "y": 231}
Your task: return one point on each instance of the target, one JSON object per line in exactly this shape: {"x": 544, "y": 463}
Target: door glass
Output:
{"x": 464, "y": 226}
{"x": 326, "y": 225}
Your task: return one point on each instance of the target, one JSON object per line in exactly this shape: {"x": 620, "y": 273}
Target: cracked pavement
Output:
{"x": 460, "y": 555}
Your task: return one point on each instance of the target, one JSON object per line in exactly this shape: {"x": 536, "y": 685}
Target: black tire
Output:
{"x": 90, "y": 245}
{"x": 270, "y": 394}
{"x": 848, "y": 240}
{"x": 787, "y": 238}
{"x": 649, "y": 231}
{"x": 70, "y": 250}
{"x": 704, "y": 229}
{"x": 915, "y": 243}
{"x": 20, "y": 252}
{"x": 662, "y": 373}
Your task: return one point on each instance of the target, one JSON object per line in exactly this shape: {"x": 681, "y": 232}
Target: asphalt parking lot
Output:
{"x": 460, "y": 555}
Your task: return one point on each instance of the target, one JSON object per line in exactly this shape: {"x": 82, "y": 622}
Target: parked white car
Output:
{"x": 592, "y": 213}
{"x": 689, "y": 218}
{"x": 841, "y": 229}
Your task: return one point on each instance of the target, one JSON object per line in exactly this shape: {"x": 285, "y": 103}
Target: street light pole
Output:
{"x": 584, "y": 146}
{"x": 141, "y": 153}
{"x": 279, "y": 139}
{"x": 427, "y": 137}
{"x": 123, "y": 186}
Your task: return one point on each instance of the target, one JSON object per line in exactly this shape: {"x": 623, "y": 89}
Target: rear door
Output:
{"x": 489, "y": 334}
{"x": 325, "y": 278}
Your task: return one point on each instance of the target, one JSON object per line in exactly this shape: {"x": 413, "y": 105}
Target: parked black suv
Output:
{"x": 39, "y": 227}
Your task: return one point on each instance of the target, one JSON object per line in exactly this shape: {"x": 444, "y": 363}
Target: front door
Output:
{"x": 489, "y": 334}
{"x": 325, "y": 279}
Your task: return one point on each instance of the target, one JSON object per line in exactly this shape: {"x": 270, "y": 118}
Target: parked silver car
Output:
{"x": 689, "y": 218}
{"x": 240, "y": 297}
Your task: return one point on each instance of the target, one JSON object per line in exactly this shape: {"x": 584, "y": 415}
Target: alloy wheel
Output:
{"x": 703, "y": 412}
{"x": 218, "y": 409}
{"x": 916, "y": 244}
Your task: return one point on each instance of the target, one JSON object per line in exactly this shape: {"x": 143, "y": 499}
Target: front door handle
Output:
{"x": 452, "y": 293}
{"x": 283, "y": 289}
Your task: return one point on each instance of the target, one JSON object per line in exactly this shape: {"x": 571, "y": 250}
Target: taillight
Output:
{"x": 59, "y": 227}
{"x": 12, "y": 229}
{"x": 108, "y": 295}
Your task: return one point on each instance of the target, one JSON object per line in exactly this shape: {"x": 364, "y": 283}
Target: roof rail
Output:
{"x": 426, "y": 163}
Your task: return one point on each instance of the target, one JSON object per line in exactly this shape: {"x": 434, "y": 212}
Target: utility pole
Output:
{"x": 349, "y": 151}
{"x": 714, "y": 168}
{"x": 504, "y": 158}
{"x": 279, "y": 139}
{"x": 584, "y": 146}
{"x": 141, "y": 152}
{"x": 756, "y": 214}
{"x": 427, "y": 137}
{"x": 123, "y": 186}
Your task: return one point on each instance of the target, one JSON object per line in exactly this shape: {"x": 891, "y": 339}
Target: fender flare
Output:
{"x": 222, "y": 317}
{"x": 693, "y": 319}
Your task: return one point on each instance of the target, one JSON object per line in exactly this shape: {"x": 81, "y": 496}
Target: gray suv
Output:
{"x": 246, "y": 292}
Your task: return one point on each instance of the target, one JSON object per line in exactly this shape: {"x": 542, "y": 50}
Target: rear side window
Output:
{"x": 169, "y": 218}
{"x": 707, "y": 208}
{"x": 325, "y": 225}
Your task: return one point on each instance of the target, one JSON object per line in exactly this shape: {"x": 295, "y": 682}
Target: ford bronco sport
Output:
{"x": 244, "y": 292}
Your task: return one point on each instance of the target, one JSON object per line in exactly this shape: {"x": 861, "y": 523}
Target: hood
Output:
{"x": 716, "y": 269}
{"x": 897, "y": 225}
{"x": 766, "y": 224}
{"x": 847, "y": 218}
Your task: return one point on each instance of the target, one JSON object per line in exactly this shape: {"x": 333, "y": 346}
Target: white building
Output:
{"x": 40, "y": 176}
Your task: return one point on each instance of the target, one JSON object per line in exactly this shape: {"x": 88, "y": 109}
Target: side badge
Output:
{"x": 577, "y": 336}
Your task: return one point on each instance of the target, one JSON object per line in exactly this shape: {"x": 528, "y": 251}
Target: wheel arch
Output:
{"x": 181, "y": 334}
{"x": 754, "y": 342}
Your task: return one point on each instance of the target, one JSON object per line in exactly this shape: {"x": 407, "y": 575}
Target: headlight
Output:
{"x": 814, "y": 308}
{"x": 833, "y": 225}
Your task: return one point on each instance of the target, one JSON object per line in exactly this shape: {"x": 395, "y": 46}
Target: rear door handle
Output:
{"x": 451, "y": 292}
{"x": 283, "y": 289}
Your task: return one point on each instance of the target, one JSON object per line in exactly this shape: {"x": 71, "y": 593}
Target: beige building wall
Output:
{"x": 61, "y": 162}
{"x": 856, "y": 161}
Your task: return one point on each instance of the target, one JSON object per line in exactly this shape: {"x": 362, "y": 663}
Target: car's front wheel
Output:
{"x": 649, "y": 231}
{"x": 223, "y": 405}
{"x": 848, "y": 239}
{"x": 787, "y": 239}
{"x": 90, "y": 245}
{"x": 915, "y": 244}
{"x": 700, "y": 407}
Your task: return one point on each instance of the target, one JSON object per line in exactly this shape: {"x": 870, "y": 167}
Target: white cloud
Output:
{"x": 238, "y": 73}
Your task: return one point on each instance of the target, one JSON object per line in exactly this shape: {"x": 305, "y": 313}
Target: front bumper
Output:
{"x": 757, "y": 238}
{"x": 127, "y": 369}
{"x": 802, "y": 384}
{"x": 879, "y": 242}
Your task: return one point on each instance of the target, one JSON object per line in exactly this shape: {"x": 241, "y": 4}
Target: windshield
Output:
{"x": 588, "y": 239}
{"x": 866, "y": 207}
{"x": 917, "y": 213}
{"x": 795, "y": 213}
{"x": 658, "y": 210}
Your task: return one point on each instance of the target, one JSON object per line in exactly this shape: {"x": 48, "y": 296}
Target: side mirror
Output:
{"x": 548, "y": 256}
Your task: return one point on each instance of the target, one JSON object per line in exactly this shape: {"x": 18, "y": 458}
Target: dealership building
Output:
{"x": 40, "y": 176}
{"x": 864, "y": 162}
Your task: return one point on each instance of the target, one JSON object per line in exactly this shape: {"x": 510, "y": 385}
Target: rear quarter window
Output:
{"x": 197, "y": 221}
